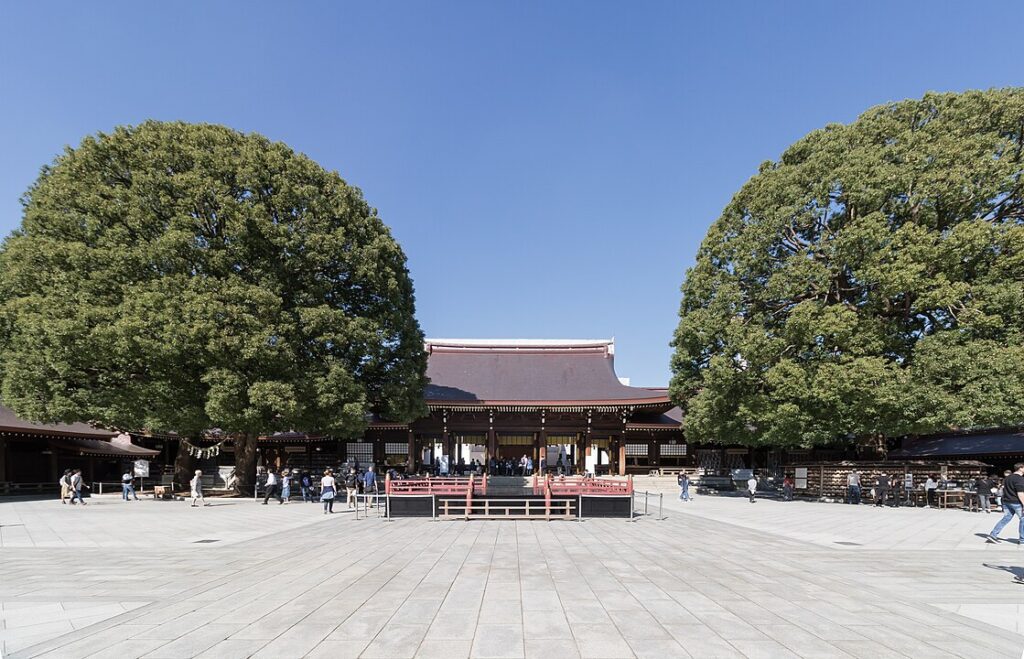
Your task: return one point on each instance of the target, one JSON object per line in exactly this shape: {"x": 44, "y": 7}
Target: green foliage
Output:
{"x": 184, "y": 277}
{"x": 869, "y": 283}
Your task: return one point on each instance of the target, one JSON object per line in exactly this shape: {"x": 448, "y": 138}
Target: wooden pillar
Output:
{"x": 540, "y": 461}
{"x": 410, "y": 467}
{"x": 3, "y": 460}
{"x": 622, "y": 456}
{"x": 492, "y": 444}
{"x": 581, "y": 456}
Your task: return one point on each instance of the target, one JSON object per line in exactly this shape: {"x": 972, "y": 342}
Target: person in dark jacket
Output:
{"x": 881, "y": 489}
{"x": 351, "y": 484}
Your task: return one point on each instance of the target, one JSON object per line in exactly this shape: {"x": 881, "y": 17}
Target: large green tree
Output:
{"x": 185, "y": 277}
{"x": 868, "y": 284}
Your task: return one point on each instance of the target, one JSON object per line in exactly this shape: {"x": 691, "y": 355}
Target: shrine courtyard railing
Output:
{"x": 573, "y": 497}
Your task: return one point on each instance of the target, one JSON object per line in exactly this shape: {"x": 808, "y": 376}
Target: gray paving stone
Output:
{"x": 764, "y": 580}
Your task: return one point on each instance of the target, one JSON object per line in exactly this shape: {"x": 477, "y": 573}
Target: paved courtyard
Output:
{"x": 716, "y": 578}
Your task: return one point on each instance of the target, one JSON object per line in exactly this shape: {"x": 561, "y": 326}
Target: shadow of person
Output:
{"x": 1015, "y": 570}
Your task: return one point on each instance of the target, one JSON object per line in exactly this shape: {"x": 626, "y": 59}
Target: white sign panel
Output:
{"x": 801, "y": 478}
{"x": 141, "y": 468}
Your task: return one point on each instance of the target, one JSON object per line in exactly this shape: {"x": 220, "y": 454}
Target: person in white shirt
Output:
{"x": 196, "y": 485}
{"x": 752, "y": 487}
{"x": 127, "y": 489}
{"x": 328, "y": 490}
{"x": 273, "y": 489}
{"x": 930, "y": 488}
{"x": 853, "y": 487}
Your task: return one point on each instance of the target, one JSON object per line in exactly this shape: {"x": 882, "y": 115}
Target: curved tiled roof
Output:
{"x": 510, "y": 372}
{"x": 10, "y": 422}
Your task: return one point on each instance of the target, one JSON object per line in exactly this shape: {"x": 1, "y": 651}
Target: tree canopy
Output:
{"x": 869, "y": 283}
{"x": 185, "y": 277}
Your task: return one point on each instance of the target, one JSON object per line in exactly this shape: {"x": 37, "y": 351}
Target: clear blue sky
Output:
{"x": 550, "y": 168}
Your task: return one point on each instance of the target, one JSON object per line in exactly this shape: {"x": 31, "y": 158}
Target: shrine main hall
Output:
{"x": 558, "y": 402}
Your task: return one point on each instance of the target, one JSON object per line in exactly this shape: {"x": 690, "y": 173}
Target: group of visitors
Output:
{"x": 279, "y": 486}
{"x": 511, "y": 467}
{"x": 442, "y": 468}
{"x": 71, "y": 485}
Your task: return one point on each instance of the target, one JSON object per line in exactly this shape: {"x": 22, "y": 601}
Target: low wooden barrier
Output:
{"x": 590, "y": 486}
{"x": 511, "y": 508}
{"x": 441, "y": 485}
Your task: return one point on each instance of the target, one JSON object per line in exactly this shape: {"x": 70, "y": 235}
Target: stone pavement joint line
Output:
{"x": 717, "y": 578}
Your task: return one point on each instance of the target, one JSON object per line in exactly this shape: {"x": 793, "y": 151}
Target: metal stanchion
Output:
{"x": 661, "y": 506}
{"x": 579, "y": 510}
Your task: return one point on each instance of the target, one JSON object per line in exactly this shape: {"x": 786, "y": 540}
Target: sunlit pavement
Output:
{"x": 717, "y": 577}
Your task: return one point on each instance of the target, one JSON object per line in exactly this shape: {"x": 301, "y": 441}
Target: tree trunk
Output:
{"x": 184, "y": 466}
{"x": 245, "y": 463}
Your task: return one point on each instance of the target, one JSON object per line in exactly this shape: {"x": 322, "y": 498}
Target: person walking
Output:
{"x": 126, "y": 486}
{"x": 328, "y": 490}
{"x": 196, "y": 487}
{"x": 752, "y": 487}
{"x": 853, "y": 488}
{"x": 286, "y": 485}
{"x": 684, "y": 486}
{"x": 351, "y": 483}
{"x": 305, "y": 485}
{"x": 1013, "y": 504}
{"x": 272, "y": 489}
{"x": 881, "y": 490}
{"x": 76, "y": 486}
{"x": 65, "y": 487}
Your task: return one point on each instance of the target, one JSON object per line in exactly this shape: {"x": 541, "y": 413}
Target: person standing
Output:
{"x": 752, "y": 487}
{"x": 684, "y": 486}
{"x": 306, "y": 484}
{"x": 370, "y": 481}
{"x": 881, "y": 490}
{"x": 983, "y": 490}
{"x": 126, "y": 486}
{"x": 196, "y": 487}
{"x": 787, "y": 488}
{"x": 853, "y": 488}
{"x": 286, "y": 485}
{"x": 272, "y": 488}
{"x": 328, "y": 490}
{"x": 1013, "y": 504}
{"x": 76, "y": 486}
{"x": 931, "y": 487}
{"x": 351, "y": 483}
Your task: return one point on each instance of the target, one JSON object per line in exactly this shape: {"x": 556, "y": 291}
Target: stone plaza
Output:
{"x": 714, "y": 578}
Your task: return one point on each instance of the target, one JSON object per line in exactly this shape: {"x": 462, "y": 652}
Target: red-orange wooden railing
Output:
{"x": 590, "y": 486}
{"x": 439, "y": 485}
